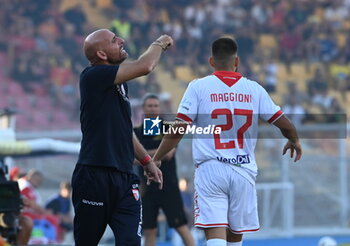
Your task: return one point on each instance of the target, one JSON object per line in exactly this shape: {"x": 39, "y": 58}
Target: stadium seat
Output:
{"x": 346, "y": 25}
{"x": 184, "y": 73}
{"x": 104, "y": 3}
{"x": 15, "y": 89}
{"x": 341, "y": 40}
{"x": 44, "y": 103}
{"x": 299, "y": 75}
{"x": 40, "y": 120}
{"x": 282, "y": 76}
{"x": 277, "y": 98}
{"x": 24, "y": 103}
{"x": 267, "y": 41}
{"x": 22, "y": 121}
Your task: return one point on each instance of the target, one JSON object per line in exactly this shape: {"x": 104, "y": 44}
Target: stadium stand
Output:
{"x": 43, "y": 48}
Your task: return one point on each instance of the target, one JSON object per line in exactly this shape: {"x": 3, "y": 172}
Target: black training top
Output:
{"x": 105, "y": 118}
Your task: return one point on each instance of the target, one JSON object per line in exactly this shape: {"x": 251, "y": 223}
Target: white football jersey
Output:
{"x": 233, "y": 103}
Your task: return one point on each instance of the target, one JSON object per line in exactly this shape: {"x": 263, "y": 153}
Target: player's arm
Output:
{"x": 288, "y": 131}
{"x": 170, "y": 141}
{"x": 168, "y": 156}
{"x": 145, "y": 63}
{"x": 272, "y": 114}
{"x": 152, "y": 172}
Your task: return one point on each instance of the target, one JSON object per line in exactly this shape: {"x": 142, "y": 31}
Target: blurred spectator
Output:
{"x": 336, "y": 13}
{"x": 321, "y": 97}
{"x": 33, "y": 209}
{"x": 318, "y": 80}
{"x": 121, "y": 26}
{"x": 335, "y": 113}
{"x": 60, "y": 205}
{"x": 294, "y": 110}
{"x": 245, "y": 42}
{"x": 270, "y": 71}
{"x": 328, "y": 46}
{"x": 292, "y": 91}
{"x": 76, "y": 16}
{"x": 152, "y": 85}
{"x": 14, "y": 173}
{"x": 28, "y": 186}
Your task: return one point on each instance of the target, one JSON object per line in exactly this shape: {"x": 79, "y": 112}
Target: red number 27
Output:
{"x": 229, "y": 124}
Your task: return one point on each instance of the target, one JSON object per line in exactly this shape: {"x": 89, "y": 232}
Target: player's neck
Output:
{"x": 227, "y": 69}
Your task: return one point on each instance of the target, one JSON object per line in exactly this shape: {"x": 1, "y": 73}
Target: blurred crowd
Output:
{"x": 40, "y": 50}
{"x": 50, "y": 220}
{"x": 300, "y": 31}
{"x": 40, "y": 47}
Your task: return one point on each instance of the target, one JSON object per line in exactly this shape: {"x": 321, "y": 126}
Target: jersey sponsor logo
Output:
{"x": 93, "y": 203}
{"x": 239, "y": 160}
{"x": 151, "y": 126}
{"x": 232, "y": 97}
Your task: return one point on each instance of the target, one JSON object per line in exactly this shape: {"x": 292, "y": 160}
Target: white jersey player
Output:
{"x": 225, "y": 195}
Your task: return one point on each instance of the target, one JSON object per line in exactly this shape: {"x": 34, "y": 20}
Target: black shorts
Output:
{"x": 169, "y": 200}
{"x": 104, "y": 196}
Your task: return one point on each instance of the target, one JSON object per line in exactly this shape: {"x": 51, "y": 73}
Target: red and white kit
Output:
{"x": 226, "y": 168}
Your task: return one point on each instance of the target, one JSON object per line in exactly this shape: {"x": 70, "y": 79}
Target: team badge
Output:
{"x": 136, "y": 194}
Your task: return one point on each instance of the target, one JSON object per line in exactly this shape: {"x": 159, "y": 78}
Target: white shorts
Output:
{"x": 224, "y": 198}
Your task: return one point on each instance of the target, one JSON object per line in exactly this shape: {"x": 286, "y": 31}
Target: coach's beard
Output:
{"x": 116, "y": 62}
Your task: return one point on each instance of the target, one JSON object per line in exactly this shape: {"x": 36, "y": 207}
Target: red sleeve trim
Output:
{"x": 184, "y": 117}
{"x": 275, "y": 116}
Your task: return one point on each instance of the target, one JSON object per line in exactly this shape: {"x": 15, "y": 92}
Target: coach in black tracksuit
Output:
{"x": 169, "y": 198}
{"x": 105, "y": 190}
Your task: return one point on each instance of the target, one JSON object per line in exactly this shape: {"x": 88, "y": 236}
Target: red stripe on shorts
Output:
{"x": 218, "y": 224}
{"x": 246, "y": 230}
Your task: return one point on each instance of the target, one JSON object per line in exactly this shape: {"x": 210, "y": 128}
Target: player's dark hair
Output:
{"x": 224, "y": 50}
{"x": 149, "y": 96}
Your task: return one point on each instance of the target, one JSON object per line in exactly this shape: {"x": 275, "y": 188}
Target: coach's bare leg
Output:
{"x": 150, "y": 236}
{"x": 233, "y": 238}
{"x": 186, "y": 235}
{"x": 215, "y": 236}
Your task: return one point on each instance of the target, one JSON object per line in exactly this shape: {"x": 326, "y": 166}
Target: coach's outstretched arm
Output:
{"x": 146, "y": 62}
{"x": 169, "y": 142}
{"x": 288, "y": 131}
{"x": 152, "y": 172}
